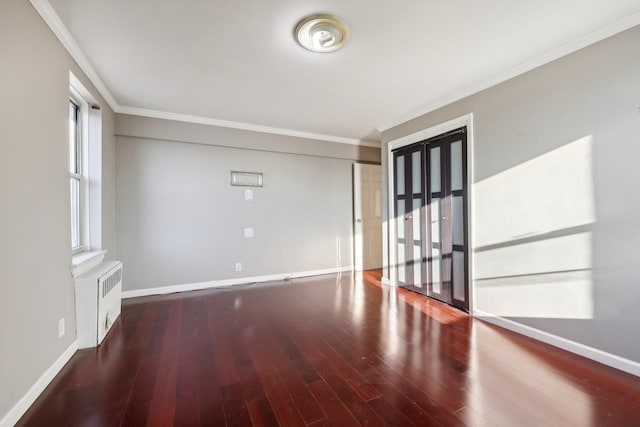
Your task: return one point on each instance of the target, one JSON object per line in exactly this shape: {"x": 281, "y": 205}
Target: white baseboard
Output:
{"x": 603, "y": 357}
{"x": 20, "y": 408}
{"x": 386, "y": 281}
{"x": 229, "y": 282}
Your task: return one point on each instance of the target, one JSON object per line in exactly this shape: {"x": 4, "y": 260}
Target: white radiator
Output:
{"x": 98, "y": 302}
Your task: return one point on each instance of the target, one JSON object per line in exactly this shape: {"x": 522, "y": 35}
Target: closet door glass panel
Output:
{"x": 416, "y": 172}
{"x": 400, "y": 175}
{"x": 400, "y": 219}
{"x": 435, "y": 204}
{"x": 417, "y": 242}
{"x": 417, "y": 217}
{"x": 457, "y": 161}
{"x": 400, "y": 214}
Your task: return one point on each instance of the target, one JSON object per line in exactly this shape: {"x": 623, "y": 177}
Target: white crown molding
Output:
{"x": 243, "y": 126}
{"x": 230, "y": 282}
{"x": 56, "y": 25}
{"x": 20, "y": 408}
{"x": 566, "y": 49}
{"x": 60, "y": 30}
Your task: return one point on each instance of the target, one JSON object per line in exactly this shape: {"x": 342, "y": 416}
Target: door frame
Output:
{"x": 462, "y": 121}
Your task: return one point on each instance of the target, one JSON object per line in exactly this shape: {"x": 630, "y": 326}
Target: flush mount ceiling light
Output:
{"x": 321, "y": 33}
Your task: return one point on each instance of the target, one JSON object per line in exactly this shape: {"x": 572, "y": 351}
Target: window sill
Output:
{"x": 85, "y": 261}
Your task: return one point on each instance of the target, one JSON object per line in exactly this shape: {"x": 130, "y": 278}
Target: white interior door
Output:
{"x": 367, "y": 216}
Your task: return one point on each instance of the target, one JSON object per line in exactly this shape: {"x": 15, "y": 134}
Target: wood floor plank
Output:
{"x": 356, "y": 406}
{"x": 194, "y": 340}
{"x": 306, "y": 404}
{"x": 337, "y": 413}
{"x": 333, "y": 350}
{"x": 163, "y": 394}
{"x": 282, "y": 404}
{"x": 347, "y": 372}
{"x": 472, "y": 418}
{"x": 305, "y": 370}
{"x": 390, "y": 414}
{"x": 236, "y": 413}
{"x": 261, "y": 413}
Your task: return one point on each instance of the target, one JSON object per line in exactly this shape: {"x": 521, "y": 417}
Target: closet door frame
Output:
{"x": 465, "y": 121}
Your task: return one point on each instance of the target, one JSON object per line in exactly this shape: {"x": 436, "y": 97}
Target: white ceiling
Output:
{"x": 237, "y": 60}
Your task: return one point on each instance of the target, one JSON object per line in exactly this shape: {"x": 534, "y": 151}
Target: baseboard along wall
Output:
{"x": 23, "y": 405}
{"x": 230, "y": 282}
{"x": 600, "y": 356}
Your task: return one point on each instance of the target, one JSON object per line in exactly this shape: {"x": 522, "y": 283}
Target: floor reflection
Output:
{"x": 500, "y": 378}
{"x": 338, "y": 350}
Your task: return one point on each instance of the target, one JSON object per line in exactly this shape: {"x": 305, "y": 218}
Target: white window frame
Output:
{"x": 82, "y": 175}
{"x": 90, "y": 252}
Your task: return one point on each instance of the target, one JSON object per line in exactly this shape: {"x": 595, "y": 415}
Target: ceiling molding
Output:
{"x": 564, "y": 50}
{"x": 56, "y": 25}
{"x": 243, "y": 126}
{"x": 60, "y": 30}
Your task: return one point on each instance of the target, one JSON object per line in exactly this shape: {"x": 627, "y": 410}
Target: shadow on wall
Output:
{"x": 533, "y": 236}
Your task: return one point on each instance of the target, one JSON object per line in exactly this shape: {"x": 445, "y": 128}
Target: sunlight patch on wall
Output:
{"x": 533, "y": 253}
{"x": 551, "y": 192}
{"x": 547, "y": 255}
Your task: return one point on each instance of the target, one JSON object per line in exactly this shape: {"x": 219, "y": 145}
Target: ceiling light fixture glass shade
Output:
{"x": 321, "y": 33}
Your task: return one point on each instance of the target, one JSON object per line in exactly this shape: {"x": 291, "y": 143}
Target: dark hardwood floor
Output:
{"x": 325, "y": 351}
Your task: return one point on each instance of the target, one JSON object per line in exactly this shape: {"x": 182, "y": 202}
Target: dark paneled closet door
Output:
{"x": 431, "y": 218}
{"x": 409, "y": 216}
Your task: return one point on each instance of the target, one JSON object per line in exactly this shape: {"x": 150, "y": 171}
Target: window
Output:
{"x": 77, "y": 173}
{"x": 85, "y": 171}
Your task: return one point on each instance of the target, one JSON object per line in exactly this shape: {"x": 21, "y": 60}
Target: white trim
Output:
{"x": 59, "y": 29}
{"x": 92, "y": 162}
{"x": 439, "y": 129}
{"x": 243, "y": 126}
{"x": 386, "y": 281}
{"x": 85, "y": 261}
{"x": 564, "y": 50}
{"x": 471, "y": 142}
{"x": 391, "y": 223}
{"x": 458, "y": 122}
{"x": 90, "y": 178}
{"x": 603, "y": 357}
{"x": 62, "y": 33}
{"x": 229, "y": 282}
{"x": 57, "y": 26}
{"x": 20, "y": 408}
{"x": 76, "y": 96}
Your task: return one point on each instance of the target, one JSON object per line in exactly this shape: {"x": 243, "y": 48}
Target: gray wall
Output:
{"x": 36, "y": 288}
{"x": 556, "y": 206}
{"x": 180, "y": 221}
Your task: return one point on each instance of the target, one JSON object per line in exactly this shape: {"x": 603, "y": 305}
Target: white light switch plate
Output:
{"x": 248, "y": 232}
{"x": 248, "y": 195}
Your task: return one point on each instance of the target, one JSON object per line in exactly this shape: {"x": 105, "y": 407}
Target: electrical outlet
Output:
{"x": 61, "y": 328}
{"x": 238, "y": 266}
